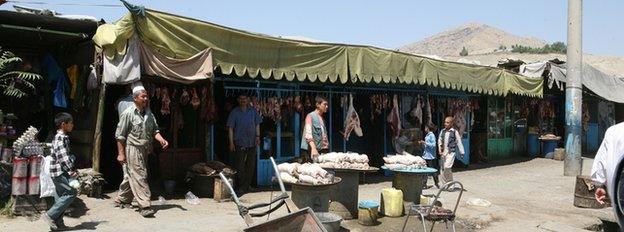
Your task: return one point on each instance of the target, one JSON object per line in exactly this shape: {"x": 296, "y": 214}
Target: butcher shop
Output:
{"x": 378, "y": 101}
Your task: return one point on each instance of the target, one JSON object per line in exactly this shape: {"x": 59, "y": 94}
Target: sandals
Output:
{"x": 147, "y": 212}
{"x": 122, "y": 205}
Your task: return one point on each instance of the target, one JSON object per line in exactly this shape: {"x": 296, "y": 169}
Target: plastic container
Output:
{"x": 33, "y": 185}
{"x": 532, "y": 145}
{"x": 20, "y": 167}
{"x": 330, "y": 221}
{"x": 19, "y": 185}
{"x": 170, "y": 186}
{"x": 549, "y": 147}
{"x": 392, "y": 202}
{"x": 191, "y": 198}
{"x": 426, "y": 199}
{"x": 161, "y": 201}
{"x": 368, "y": 211}
{"x": 35, "y": 165}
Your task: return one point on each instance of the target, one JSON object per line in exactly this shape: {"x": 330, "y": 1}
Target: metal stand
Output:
{"x": 430, "y": 212}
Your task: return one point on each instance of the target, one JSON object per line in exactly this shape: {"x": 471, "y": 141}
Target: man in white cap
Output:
{"x": 136, "y": 129}
{"x": 127, "y": 100}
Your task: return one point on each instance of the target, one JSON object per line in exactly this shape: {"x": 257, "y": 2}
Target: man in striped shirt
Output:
{"x": 61, "y": 169}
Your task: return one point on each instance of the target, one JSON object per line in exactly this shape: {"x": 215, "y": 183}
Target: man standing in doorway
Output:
{"x": 314, "y": 133}
{"x": 244, "y": 136}
{"x": 449, "y": 143}
{"x": 136, "y": 129}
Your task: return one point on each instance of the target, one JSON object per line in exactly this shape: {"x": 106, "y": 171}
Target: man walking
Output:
{"x": 449, "y": 143}
{"x": 136, "y": 129}
{"x": 244, "y": 135}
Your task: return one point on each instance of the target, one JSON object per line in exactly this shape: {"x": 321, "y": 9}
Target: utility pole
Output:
{"x": 573, "y": 163}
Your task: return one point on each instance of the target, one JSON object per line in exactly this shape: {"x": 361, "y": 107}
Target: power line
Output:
{"x": 63, "y": 4}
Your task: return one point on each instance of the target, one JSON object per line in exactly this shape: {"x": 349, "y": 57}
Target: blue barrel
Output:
{"x": 549, "y": 147}
{"x": 532, "y": 145}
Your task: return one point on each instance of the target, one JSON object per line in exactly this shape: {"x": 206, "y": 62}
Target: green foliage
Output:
{"x": 464, "y": 52}
{"x": 556, "y": 47}
{"x": 14, "y": 83}
{"x": 7, "y": 210}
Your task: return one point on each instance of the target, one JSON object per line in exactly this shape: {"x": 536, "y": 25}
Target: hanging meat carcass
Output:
{"x": 459, "y": 113}
{"x": 394, "y": 118}
{"x": 277, "y": 112}
{"x": 164, "y": 108}
{"x": 416, "y": 111}
{"x": 184, "y": 97}
{"x": 429, "y": 113}
{"x": 209, "y": 109}
{"x": 298, "y": 105}
{"x": 255, "y": 104}
{"x": 373, "y": 105}
{"x": 352, "y": 121}
{"x": 157, "y": 93}
{"x": 195, "y": 102}
{"x": 308, "y": 103}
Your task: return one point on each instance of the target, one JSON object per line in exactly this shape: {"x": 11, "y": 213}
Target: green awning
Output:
{"x": 260, "y": 56}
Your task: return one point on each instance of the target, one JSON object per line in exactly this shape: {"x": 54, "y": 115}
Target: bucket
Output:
{"x": 368, "y": 212}
{"x": 549, "y": 147}
{"x": 33, "y": 185}
{"x": 391, "y": 202}
{"x": 35, "y": 165}
{"x": 169, "y": 186}
{"x": 532, "y": 145}
{"x": 203, "y": 185}
{"x": 20, "y": 167}
{"x": 18, "y": 186}
{"x": 330, "y": 221}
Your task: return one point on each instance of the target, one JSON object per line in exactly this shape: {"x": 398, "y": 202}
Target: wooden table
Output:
{"x": 410, "y": 181}
{"x": 344, "y": 196}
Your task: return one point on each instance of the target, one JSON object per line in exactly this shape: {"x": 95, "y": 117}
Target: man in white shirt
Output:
{"x": 449, "y": 144}
{"x": 606, "y": 167}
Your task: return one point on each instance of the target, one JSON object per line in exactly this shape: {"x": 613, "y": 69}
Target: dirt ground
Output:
{"x": 525, "y": 195}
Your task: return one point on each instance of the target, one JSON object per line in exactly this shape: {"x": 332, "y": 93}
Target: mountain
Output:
{"x": 483, "y": 43}
{"x": 475, "y": 37}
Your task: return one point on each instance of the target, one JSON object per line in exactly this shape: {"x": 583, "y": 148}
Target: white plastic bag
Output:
{"x": 46, "y": 183}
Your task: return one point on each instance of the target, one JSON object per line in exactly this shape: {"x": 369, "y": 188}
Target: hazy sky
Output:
{"x": 387, "y": 24}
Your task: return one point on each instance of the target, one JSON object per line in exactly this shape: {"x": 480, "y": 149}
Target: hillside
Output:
{"x": 477, "y": 38}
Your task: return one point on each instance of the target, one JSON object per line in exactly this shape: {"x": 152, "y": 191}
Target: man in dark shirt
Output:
{"x": 244, "y": 136}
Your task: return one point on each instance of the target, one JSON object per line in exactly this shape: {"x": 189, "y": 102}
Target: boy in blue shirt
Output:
{"x": 429, "y": 152}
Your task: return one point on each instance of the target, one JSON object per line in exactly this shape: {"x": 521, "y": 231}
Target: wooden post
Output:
{"x": 97, "y": 136}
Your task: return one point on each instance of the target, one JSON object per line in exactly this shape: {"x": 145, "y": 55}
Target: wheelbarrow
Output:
{"x": 296, "y": 220}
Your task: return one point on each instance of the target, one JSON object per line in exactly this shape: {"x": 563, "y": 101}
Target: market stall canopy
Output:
{"x": 593, "y": 79}
{"x": 246, "y": 54}
{"x": 31, "y": 30}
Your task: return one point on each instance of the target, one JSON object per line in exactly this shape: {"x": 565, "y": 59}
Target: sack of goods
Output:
{"x": 404, "y": 161}
{"x": 349, "y": 160}
{"x": 306, "y": 173}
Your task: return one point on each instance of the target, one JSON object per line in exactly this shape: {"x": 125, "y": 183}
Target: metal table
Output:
{"x": 314, "y": 196}
{"x": 410, "y": 181}
{"x": 344, "y": 196}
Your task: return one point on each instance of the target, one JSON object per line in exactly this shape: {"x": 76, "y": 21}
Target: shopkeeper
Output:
{"x": 244, "y": 135}
{"x": 314, "y": 139}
